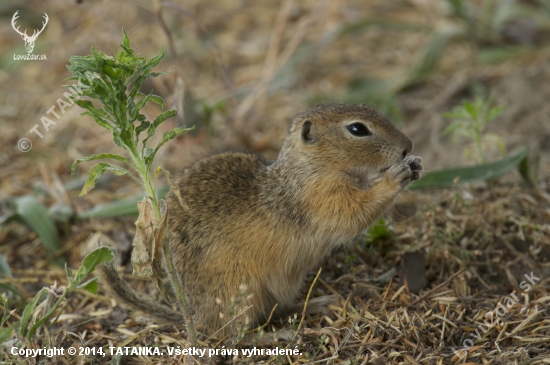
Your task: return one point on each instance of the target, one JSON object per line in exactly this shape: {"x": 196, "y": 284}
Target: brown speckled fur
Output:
{"x": 266, "y": 224}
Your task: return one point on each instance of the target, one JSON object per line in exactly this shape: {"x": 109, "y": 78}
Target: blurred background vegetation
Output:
{"x": 243, "y": 69}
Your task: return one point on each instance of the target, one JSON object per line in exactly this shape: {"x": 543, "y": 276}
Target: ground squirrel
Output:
{"x": 265, "y": 224}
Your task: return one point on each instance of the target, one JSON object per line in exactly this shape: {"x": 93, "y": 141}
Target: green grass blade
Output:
{"x": 5, "y": 272}
{"x": 462, "y": 175}
{"x": 4, "y": 268}
{"x": 119, "y": 208}
{"x": 35, "y": 215}
{"x": 45, "y": 317}
{"x": 526, "y": 172}
{"x": 29, "y": 309}
{"x": 5, "y": 333}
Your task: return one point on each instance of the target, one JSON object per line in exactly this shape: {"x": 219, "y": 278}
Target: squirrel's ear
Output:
{"x": 309, "y": 132}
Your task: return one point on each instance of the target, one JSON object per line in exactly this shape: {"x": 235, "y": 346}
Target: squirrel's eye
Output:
{"x": 358, "y": 129}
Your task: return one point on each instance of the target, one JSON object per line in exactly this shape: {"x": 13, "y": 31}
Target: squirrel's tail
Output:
{"x": 119, "y": 289}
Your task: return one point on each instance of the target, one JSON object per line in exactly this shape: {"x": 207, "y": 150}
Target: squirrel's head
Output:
{"x": 352, "y": 138}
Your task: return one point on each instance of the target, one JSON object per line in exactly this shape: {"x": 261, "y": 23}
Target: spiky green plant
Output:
{"x": 115, "y": 82}
{"x": 470, "y": 120}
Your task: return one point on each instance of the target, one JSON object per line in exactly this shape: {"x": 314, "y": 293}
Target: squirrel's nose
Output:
{"x": 408, "y": 148}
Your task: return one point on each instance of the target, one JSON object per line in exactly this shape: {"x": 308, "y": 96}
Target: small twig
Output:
{"x": 228, "y": 323}
{"x": 164, "y": 27}
{"x": 305, "y": 307}
{"x": 266, "y": 322}
{"x": 303, "y": 312}
{"x": 275, "y": 43}
{"x": 180, "y": 293}
{"x": 429, "y": 292}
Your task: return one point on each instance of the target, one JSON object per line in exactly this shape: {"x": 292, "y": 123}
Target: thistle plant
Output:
{"x": 470, "y": 120}
{"x": 115, "y": 82}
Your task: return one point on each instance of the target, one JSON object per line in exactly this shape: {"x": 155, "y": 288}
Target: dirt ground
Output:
{"x": 241, "y": 70}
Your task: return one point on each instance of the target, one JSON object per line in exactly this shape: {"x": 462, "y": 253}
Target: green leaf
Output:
{"x": 526, "y": 172}
{"x": 137, "y": 84}
{"x": 158, "y": 120}
{"x": 28, "y": 311}
{"x": 463, "y": 175}
{"x": 5, "y": 333}
{"x": 457, "y": 124}
{"x": 35, "y": 215}
{"x": 102, "y": 122}
{"x": 94, "y": 258}
{"x": 5, "y": 272}
{"x": 126, "y": 135}
{"x": 157, "y": 100}
{"x": 134, "y": 111}
{"x": 494, "y": 112}
{"x": 118, "y": 140}
{"x": 103, "y": 88}
{"x": 471, "y": 109}
{"x": 142, "y": 127}
{"x": 86, "y": 104}
{"x": 80, "y": 64}
{"x": 69, "y": 273}
{"x": 96, "y": 54}
{"x": 4, "y": 268}
{"x": 125, "y": 39}
{"x": 128, "y": 50}
{"x": 90, "y": 286}
{"x": 378, "y": 231}
{"x": 96, "y": 171}
{"x": 157, "y": 74}
{"x": 46, "y": 317}
{"x": 94, "y": 174}
{"x": 458, "y": 112}
{"x": 499, "y": 54}
{"x": 119, "y": 208}
{"x": 149, "y": 65}
{"x": 164, "y": 115}
{"x": 147, "y": 153}
{"x": 155, "y": 60}
{"x": 98, "y": 157}
{"x": 131, "y": 105}
{"x": 167, "y": 136}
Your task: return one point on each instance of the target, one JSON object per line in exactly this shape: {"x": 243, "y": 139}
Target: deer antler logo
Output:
{"x": 29, "y": 41}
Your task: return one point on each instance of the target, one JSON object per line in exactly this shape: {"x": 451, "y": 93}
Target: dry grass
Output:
{"x": 265, "y": 62}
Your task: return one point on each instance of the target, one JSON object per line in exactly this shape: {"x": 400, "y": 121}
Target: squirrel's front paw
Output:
{"x": 414, "y": 165}
{"x": 406, "y": 171}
